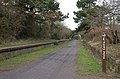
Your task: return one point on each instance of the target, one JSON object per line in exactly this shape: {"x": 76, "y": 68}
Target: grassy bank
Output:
{"x": 24, "y": 42}
{"x": 28, "y": 57}
{"x": 86, "y": 63}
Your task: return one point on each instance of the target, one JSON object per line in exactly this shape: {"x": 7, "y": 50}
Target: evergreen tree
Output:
{"x": 86, "y": 13}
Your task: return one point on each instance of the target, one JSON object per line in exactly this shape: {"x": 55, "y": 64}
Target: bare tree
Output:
{"x": 110, "y": 10}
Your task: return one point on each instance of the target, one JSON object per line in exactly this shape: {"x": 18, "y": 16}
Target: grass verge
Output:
{"x": 24, "y": 42}
{"x": 86, "y": 63}
{"x": 28, "y": 57}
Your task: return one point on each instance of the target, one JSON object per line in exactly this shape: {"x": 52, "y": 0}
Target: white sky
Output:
{"x": 68, "y": 6}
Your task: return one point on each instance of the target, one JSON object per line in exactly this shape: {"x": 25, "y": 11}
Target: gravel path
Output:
{"x": 58, "y": 65}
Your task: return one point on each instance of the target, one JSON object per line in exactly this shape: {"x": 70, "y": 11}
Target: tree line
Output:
{"x": 91, "y": 15}
{"x": 23, "y": 19}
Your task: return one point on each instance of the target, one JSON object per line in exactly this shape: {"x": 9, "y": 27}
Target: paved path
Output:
{"x": 58, "y": 65}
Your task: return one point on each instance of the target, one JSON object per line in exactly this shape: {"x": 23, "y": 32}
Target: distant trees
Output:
{"x": 30, "y": 19}
{"x": 60, "y": 31}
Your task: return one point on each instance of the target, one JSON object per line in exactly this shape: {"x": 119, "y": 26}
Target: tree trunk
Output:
{"x": 116, "y": 33}
{"x": 109, "y": 39}
{"x": 115, "y": 37}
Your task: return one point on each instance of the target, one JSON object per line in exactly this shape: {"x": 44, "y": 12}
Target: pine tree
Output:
{"x": 86, "y": 13}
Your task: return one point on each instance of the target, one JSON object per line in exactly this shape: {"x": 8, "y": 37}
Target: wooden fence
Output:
{"x": 113, "y": 64}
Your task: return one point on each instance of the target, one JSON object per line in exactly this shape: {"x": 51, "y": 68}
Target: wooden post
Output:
{"x": 104, "y": 53}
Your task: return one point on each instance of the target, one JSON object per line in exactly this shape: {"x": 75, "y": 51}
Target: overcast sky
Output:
{"x": 68, "y": 6}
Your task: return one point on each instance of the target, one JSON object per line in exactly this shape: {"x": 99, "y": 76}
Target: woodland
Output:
{"x": 37, "y": 19}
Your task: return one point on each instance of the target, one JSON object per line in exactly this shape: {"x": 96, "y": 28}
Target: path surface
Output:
{"x": 58, "y": 65}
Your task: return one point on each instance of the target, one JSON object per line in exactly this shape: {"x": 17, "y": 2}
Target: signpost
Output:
{"x": 104, "y": 53}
